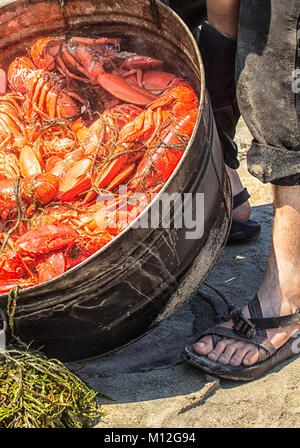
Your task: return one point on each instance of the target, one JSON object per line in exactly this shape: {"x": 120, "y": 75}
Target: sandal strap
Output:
{"x": 255, "y": 312}
{"x": 276, "y": 322}
{"x": 249, "y": 327}
{"x": 240, "y": 198}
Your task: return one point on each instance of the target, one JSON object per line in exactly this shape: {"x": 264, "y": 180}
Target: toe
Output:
{"x": 219, "y": 349}
{"x": 204, "y": 345}
{"x": 237, "y": 359}
{"x": 227, "y": 354}
{"x": 242, "y": 350}
{"x": 251, "y": 357}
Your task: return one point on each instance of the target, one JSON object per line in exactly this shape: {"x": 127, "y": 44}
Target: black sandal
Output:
{"x": 251, "y": 330}
{"x": 242, "y": 232}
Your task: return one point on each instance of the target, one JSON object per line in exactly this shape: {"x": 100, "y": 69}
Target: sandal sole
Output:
{"x": 241, "y": 373}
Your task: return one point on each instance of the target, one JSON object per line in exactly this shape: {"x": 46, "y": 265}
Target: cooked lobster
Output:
{"x": 48, "y": 94}
{"x": 99, "y": 61}
{"x": 89, "y": 133}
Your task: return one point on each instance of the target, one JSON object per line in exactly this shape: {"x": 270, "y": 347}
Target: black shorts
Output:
{"x": 268, "y": 87}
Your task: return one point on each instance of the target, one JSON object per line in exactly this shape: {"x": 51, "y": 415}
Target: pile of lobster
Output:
{"x": 88, "y": 134}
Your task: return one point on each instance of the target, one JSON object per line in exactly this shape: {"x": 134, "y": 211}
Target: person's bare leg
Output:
{"x": 224, "y": 16}
{"x": 242, "y": 212}
{"x": 279, "y": 293}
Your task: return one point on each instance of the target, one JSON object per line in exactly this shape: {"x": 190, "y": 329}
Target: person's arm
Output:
{"x": 224, "y": 16}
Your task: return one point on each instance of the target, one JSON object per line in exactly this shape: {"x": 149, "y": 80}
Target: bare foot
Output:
{"x": 279, "y": 292}
{"x": 234, "y": 352}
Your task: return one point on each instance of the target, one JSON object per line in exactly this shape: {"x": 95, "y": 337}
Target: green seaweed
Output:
{"x": 38, "y": 392}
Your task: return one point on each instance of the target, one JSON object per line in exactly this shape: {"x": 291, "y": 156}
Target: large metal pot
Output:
{"x": 128, "y": 287}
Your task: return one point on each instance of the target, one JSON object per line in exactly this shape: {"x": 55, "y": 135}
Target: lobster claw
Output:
{"x": 76, "y": 180}
{"x": 157, "y": 81}
{"x": 119, "y": 87}
{"x": 29, "y": 163}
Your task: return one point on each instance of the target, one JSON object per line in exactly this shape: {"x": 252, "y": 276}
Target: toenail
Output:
{"x": 246, "y": 361}
{"x": 201, "y": 344}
